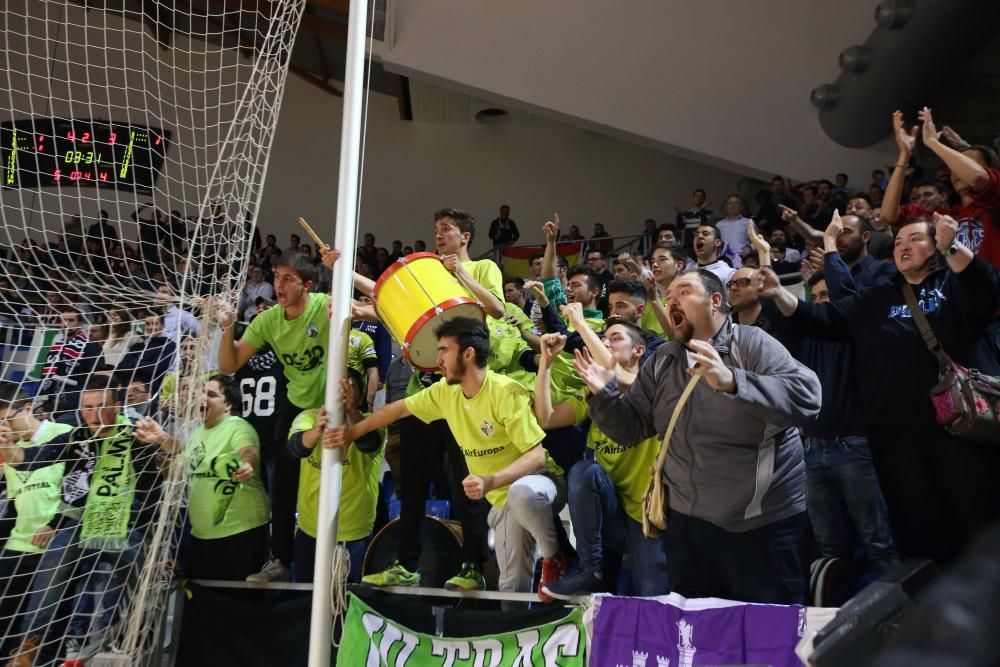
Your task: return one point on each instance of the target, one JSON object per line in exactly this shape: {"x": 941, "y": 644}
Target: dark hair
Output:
{"x": 826, "y": 182}
{"x": 532, "y": 258}
{"x": 864, "y": 225}
{"x": 518, "y": 282}
{"x": 301, "y": 265}
{"x": 667, "y": 226}
{"x": 809, "y": 188}
{"x": 860, "y": 195}
{"x": 710, "y": 225}
{"x": 699, "y": 190}
{"x": 844, "y": 175}
{"x": 878, "y": 171}
{"x": 354, "y": 376}
{"x": 593, "y": 250}
{"x": 712, "y": 284}
{"x": 295, "y": 236}
{"x": 676, "y": 250}
{"x": 464, "y": 221}
{"x": 633, "y": 288}
{"x": 231, "y": 393}
{"x": 561, "y": 262}
{"x": 12, "y": 395}
{"x": 988, "y": 155}
{"x": 593, "y": 283}
{"x": 932, "y": 183}
{"x": 469, "y": 333}
{"x": 635, "y": 333}
{"x": 777, "y": 177}
{"x": 69, "y": 308}
{"x": 105, "y": 383}
{"x": 815, "y": 278}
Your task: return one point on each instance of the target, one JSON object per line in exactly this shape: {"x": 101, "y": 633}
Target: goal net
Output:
{"x": 131, "y": 166}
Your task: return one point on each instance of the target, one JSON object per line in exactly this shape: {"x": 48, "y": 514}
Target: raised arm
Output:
{"x": 550, "y": 416}
{"x": 233, "y": 354}
{"x": 551, "y": 229}
{"x": 791, "y": 216}
{"x": 761, "y": 244}
{"x": 602, "y": 355}
{"x": 905, "y": 141}
{"x": 962, "y": 166}
{"x": 341, "y": 436}
{"x": 625, "y": 418}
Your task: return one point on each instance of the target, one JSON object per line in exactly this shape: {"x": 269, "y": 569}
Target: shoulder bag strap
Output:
{"x": 661, "y": 457}
{"x": 926, "y": 332}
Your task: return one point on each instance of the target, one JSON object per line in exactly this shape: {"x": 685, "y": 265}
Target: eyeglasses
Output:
{"x": 739, "y": 282}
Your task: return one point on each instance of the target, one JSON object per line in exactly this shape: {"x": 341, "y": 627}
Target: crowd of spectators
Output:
{"x": 810, "y": 433}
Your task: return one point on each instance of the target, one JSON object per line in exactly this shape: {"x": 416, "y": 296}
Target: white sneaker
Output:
{"x": 72, "y": 648}
{"x": 273, "y": 570}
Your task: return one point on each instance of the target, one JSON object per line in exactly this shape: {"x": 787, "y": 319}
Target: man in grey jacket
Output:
{"x": 737, "y": 526}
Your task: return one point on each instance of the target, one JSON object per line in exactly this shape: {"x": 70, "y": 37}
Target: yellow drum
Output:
{"x": 414, "y": 296}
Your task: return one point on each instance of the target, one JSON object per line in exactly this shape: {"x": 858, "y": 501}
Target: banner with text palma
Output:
{"x": 372, "y": 640}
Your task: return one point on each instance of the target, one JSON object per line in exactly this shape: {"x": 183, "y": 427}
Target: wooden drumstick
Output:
{"x": 310, "y": 232}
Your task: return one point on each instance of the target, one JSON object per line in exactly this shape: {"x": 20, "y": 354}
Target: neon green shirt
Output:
{"x": 359, "y": 490}
{"x": 36, "y": 493}
{"x": 300, "y": 345}
{"x": 493, "y": 428}
{"x": 217, "y": 506}
{"x": 488, "y": 274}
{"x": 628, "y": 468}
{"x": 360, "y": 349}
{"x": 523, "y": 321}
{"x": 649, "y": 320}
{"x": 506, "y": 348}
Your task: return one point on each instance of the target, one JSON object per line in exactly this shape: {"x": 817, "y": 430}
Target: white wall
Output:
{"x": 717, "y": 80}
{"x": 412, "y": 169}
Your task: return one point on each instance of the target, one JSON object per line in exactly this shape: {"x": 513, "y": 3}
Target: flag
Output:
{"x": 372, "y": 640}
{"x": 515, "y": 259}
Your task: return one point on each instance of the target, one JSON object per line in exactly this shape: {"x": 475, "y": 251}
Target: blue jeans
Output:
{"x": 96, "y": 579}
{"x": 600, "y": 523}
{"x": 305, "y": 557}
{"x": 845, "y": 501}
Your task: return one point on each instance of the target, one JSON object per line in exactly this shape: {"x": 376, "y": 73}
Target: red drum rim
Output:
{"x": 425, "y": 318}
{"x": 397, "y": 265}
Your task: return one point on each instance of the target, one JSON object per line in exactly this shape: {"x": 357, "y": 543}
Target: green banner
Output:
{"x": 371, "y": 640}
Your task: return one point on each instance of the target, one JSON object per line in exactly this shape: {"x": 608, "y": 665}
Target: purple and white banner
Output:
{"x": 672, "y": 631}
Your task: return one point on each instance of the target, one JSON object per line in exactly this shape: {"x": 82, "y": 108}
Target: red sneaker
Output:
{"x": 552, "y": 569}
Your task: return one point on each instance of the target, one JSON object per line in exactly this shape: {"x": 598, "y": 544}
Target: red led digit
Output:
{"x": 57, "y": 174}
{"x": 158, "y": 140}
{"x": 71, "y": 135}
{"x": 86, "y": 137}
{"x": 104, "y": 175}
{"x": 111, "y": 139}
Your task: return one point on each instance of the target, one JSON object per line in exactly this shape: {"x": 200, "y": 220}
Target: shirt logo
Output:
{"x": 486, "y": 427}
{"x": 312, "y": 330}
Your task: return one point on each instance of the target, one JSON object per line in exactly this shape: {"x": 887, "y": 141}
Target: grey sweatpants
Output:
{"x": 528, "y": 519}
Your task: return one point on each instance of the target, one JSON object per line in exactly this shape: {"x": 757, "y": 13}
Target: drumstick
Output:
{"x": 310, "y": 232}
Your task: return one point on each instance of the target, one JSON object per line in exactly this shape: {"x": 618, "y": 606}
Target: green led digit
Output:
{"x": 12, "y": 161}
{"x": 128, "y": 156}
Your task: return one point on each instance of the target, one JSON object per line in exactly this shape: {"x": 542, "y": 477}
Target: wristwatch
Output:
{"x": 953, "y": 249}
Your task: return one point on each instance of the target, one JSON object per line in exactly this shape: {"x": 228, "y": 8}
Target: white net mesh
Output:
{"x": 131, "y": 167}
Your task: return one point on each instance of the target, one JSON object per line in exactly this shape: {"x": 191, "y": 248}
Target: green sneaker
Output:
{"x": 394, "y": 575}
{"x": 469, "y": 578}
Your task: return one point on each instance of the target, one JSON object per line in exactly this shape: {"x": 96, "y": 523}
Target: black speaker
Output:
{"x": 865, "y": 623}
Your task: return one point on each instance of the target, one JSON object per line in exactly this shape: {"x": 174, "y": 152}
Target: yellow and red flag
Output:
{"x": 515, "y": 259}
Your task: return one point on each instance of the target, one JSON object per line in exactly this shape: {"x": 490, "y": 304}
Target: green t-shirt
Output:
{"x": 524, "y": 324}
{"x": 488, "y": 274}
{"x": 649, "y": 320}
{"x": 300, "y": 345}
{"x": 36, "y": 493}
{"x": 628, "y": 468}
{"x": 359, "y": 488}
{"x": 217, "y": 506}
{"x": 506, "y": 348}
{"x": 493, "y": 428}
{"x": 360, "y": 351}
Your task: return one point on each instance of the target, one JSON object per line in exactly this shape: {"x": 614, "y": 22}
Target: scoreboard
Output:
{"x": 59, "y": 152}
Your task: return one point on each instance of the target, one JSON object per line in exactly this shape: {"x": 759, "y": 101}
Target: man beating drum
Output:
{"x": 424, "y": 445}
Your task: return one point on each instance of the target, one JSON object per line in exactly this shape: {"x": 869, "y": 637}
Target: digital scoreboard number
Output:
{"x": 58, "y": 152}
